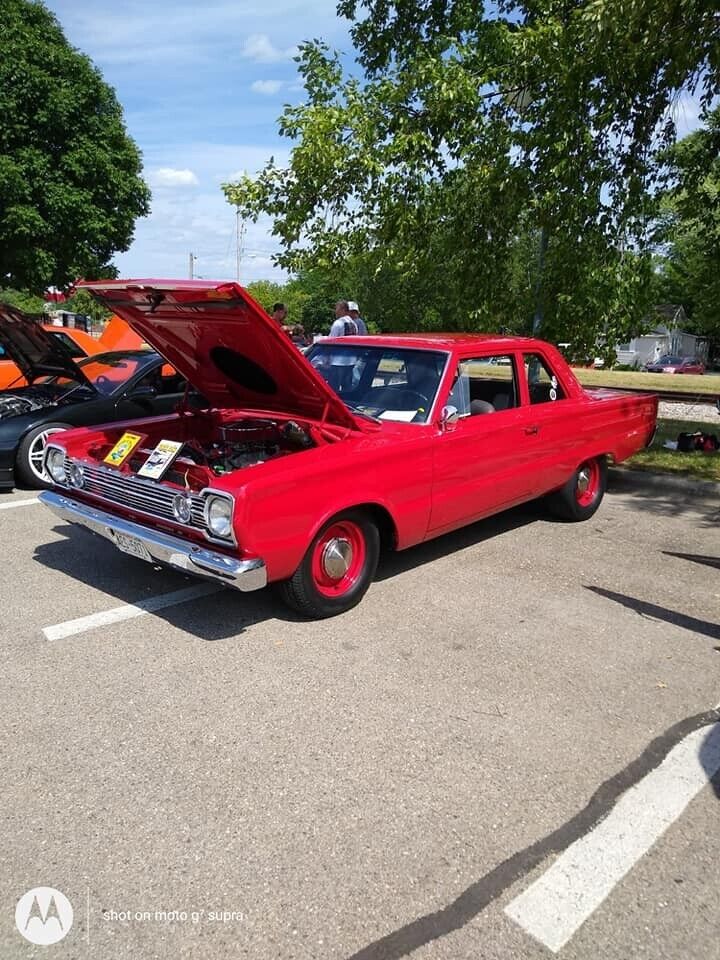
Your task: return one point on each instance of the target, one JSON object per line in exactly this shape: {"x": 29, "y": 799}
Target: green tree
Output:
{"x": 27, "y": 302}
{"x": 689, "y": 231}
{"x": 465, "y": 134}
{"x": 70, "y": 184}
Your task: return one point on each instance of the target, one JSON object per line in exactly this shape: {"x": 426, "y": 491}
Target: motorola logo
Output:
{"x": 43, "y": 915}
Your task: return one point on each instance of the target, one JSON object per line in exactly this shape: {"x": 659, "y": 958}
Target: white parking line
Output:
{"x": 553, "y": 908}
{"x": 18, "y": 503}
{"x": 71, "y": 627}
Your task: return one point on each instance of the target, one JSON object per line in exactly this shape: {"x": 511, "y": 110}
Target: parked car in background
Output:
{"x": 671, "y": 364}
{"x": 304, "y": 467}
{"x": 60, "y": 392}
{"x": 116, "y": 335}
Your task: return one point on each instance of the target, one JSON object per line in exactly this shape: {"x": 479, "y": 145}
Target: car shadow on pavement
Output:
{"x": 394, "y": 563}
{"x": 655, "y": 612}
{"x": 93, "y": 561}
{"x": 670, "y": 503}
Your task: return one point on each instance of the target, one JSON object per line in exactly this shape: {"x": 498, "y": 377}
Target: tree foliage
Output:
{"x": 689, "y": 232}
{"x": 70, "y": 185}
{"x": 489, "y": 165}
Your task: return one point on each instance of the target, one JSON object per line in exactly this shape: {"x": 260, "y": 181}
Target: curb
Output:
{"x": 622, "y": 479}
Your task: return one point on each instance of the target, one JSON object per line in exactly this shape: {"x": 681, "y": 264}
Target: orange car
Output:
{"x": 117, "y": 335}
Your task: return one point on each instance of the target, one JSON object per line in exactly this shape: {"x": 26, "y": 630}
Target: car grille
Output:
{"x": 136, "y": 494}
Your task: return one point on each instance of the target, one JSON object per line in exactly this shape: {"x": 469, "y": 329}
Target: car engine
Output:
{"x": 244, "y": 443}
{"x": 14, "y": 405}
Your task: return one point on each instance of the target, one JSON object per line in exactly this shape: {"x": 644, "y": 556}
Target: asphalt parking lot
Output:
{"x": 508, "y": 750}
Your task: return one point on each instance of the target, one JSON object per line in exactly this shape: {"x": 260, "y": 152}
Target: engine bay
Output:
{"x": 16, "y": 404}
{"x": 218, "y": 448}
{"x": 245, "y": 443}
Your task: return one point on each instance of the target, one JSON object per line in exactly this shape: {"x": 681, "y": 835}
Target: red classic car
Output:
{"x": 302, "y": 468}
{"x": 670, "y": 364}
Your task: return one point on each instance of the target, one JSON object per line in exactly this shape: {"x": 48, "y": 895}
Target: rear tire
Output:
{"x": 337, "y": 568}
{"x": 31, "y": 452}
{"x": 582, "y": 494}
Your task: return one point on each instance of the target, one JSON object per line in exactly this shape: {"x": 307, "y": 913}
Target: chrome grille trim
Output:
{"x": 148, "y": 497}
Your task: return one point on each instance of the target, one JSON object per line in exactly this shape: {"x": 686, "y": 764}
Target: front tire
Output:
{"x": 582, "y": 494}
{"x": 31, "y": 453}
{"x": 337, "y": 568}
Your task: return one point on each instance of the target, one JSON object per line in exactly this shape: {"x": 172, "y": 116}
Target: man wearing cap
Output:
{"x": 354, "y": 311}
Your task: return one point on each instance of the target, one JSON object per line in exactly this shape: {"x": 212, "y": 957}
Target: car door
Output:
{"x": 551, "y": 423}
{"x": 481, "y": 462}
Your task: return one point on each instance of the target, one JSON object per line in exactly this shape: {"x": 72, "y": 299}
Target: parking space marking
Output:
{"x": 127, "y": 612}
{"x": 18, "y": 503}
{"x": 554, "y": 907}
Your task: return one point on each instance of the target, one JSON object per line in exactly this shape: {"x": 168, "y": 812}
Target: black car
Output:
{"x": 63, "y": 393}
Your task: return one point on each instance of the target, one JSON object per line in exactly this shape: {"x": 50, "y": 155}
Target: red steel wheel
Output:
{"x": 337, "y": 568}
{"x": 338, "y": 558}
{"x": 580, "y": 497}
{"x": 587, "y": 483}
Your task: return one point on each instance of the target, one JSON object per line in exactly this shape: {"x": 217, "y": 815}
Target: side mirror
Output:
{"x": 448, "y": 416}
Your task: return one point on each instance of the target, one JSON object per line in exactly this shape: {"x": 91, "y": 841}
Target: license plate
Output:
{"x": 131, "y": 545}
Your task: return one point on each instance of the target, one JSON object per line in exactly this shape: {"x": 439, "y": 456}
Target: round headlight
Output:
{"x": 77, "y": 475}
{"x": 182, "y": 508}
{"x": 55, "y": 464}
{"x": 218, "y": 512}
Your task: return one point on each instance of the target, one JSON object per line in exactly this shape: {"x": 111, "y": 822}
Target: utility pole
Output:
{"x": 191, "y": 267}
{"x": 239, "y": 237}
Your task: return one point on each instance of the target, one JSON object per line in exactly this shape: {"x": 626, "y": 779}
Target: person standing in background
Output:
{"x": 354, "y": 311}
{"x": 279, "y": 314}
{"x": 342, "y": 362}
{"x": 343, "y": 324}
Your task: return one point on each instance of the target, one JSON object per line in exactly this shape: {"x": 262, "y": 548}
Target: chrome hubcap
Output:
{"x": 337, "y": 557}
{"x": 583, "y": 481}
{"x": 36, "y": 453}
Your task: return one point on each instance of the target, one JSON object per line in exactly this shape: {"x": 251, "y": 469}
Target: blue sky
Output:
{"x": 202, "y": 86}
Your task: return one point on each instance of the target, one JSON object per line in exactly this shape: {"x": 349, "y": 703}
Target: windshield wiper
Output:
{"x": 361, "y": 413}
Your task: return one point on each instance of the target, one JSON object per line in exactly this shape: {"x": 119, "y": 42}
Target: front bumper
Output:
{"x": 171, "y": 551}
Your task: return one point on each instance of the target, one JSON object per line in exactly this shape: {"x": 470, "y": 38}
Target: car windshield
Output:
{"x": 388, "y": 383}
{"x": 669, "y": 361}
{"x": 109, "y": 372}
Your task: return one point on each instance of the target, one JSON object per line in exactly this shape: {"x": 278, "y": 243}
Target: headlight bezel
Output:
{"x": 210, "y": 496}
{"x": 50, "y": 450}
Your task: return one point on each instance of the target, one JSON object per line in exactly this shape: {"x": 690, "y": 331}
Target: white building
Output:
{"x": 663, "y": 338}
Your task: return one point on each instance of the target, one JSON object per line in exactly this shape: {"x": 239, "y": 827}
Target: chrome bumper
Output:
{"x": 244, "y": 575}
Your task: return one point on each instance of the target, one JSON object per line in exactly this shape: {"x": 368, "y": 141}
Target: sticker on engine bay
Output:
{"x": 123, "y": 448}
{"x": 160, "y": 459}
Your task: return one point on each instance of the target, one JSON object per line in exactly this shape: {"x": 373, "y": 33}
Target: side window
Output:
{"x": 484, "y": 385}
{"x": 543, "y": 385}
{"x": 76, "y": 351}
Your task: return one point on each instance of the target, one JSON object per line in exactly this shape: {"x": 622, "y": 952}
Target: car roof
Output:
{"x": 442, "y": 341}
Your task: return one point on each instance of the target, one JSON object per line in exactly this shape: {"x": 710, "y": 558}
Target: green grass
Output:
{"x": 633, "y": 380}
{"x": 699, "y": 466}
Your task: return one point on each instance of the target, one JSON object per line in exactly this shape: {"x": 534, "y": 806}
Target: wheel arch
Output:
{"x": 381, "y": 515}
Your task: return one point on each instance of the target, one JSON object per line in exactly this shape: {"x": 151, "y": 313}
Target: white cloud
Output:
{"x": 266, "y": 87}
{"x": 260, "y": 48}
{"x": 168, "y": 177}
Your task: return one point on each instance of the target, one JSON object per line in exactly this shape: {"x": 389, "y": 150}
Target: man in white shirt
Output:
{"x": 342, "y": 362}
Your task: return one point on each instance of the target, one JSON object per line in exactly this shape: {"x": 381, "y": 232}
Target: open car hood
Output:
{"x": 34, "y": 351}
{"x": 224, "y": 343}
